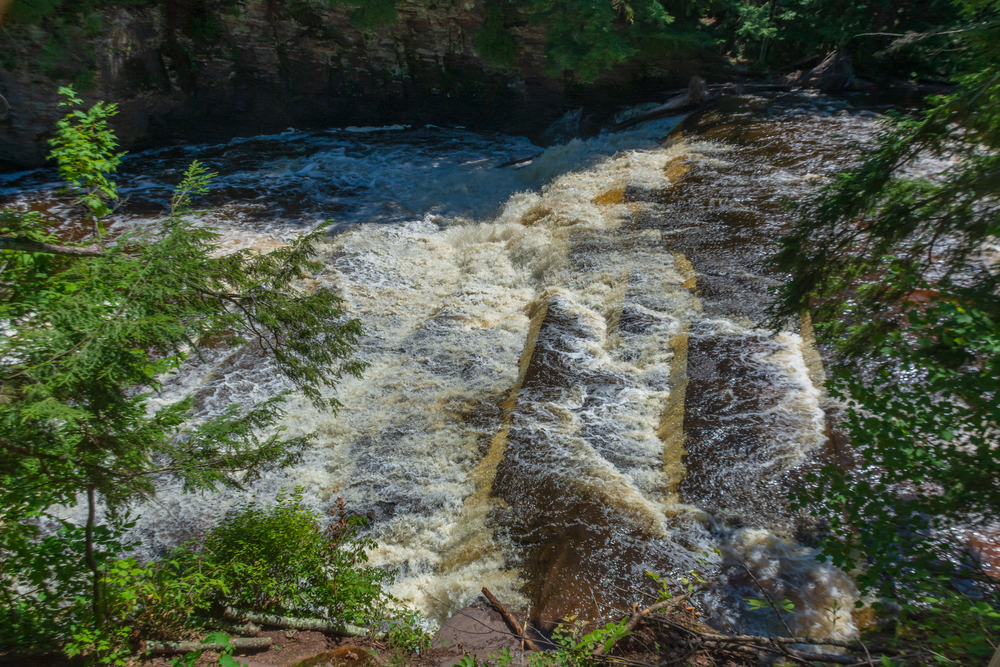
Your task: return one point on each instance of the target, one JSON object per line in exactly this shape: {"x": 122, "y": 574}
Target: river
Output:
{"x": 569, "y": 381}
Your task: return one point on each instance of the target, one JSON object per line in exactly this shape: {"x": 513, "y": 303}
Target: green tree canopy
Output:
{"x": 91, "y": 330}
{"x": 893, "y": 261}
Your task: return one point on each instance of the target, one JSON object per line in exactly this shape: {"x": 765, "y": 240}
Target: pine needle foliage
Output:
{"x": 878, "y": 230}
{"x": 92, "y": 331}
{"x": 893, "y": 263}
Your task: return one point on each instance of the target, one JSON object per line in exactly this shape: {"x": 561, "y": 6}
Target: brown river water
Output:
{"x": 570, "y": 384}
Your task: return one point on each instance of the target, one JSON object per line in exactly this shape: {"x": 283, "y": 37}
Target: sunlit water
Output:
{"x": 569, "y": 383}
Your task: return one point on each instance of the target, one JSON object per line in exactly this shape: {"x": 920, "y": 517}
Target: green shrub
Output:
{"x": 44, "y": 580}
{"x": 406, "y": 631}
{"x": 157, "y": 600}
{"x": 494, "y": 44}
{"x": 278, "y": 560}
{"x": 33, "y": 11}
{"x": 368, "y": 14}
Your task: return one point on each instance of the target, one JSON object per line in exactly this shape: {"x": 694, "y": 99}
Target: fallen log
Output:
{"x": 317, "y": 624}
{"x": 188, "y": 647}
{"x": 696, "y": 96}
{"x": 509, "y": 620}
{"x": 711, "y": 641}
{"x": 811, "y": 641}
{"x": 248, "y": 628}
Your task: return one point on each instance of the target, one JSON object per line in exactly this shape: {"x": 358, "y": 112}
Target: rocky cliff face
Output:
{"x": 182, "y": 71}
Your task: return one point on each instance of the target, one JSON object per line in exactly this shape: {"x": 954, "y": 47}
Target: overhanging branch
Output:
{"x": 23, "y": 244}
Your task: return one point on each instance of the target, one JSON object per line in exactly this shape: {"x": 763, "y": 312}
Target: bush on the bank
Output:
{"x": 155, "y": 601}
{"x": 277, "y": 560}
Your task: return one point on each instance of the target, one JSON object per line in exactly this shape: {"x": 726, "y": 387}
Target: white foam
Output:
{"x": 368, "y": 128}
{"x": 442, "y": 289}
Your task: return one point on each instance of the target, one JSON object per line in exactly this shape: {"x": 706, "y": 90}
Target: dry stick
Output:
{"x": 509, "y": 619}
{"x": 865, "y": 662}
{"x": 812, "y": 641}
{"x": 637, "y": 616}
{"x": 784, "y": 650}
{"x": 187, "y": 647}
{"x": 867, "y": 654}
{"x": 721, "y": 642}
{"x": 769, "y": 600}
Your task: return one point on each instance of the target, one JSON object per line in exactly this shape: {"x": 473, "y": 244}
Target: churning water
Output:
{"x": 568, "y": 381}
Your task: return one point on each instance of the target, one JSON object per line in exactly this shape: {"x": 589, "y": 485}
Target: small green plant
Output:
{"x": 575, "y": 645}
{"x": 688, "y": 583}
{"x": 84, "y": 147}
{"x": 406, "y": 631}
{"x": 226, "y": 659}
{"x": 756, "y": 604}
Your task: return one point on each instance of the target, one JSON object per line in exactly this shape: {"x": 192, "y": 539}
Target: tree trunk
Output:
{"x": 317, "y": 624}
{"x": 95, "y": 571}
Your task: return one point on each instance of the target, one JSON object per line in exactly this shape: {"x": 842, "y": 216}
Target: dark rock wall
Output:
{"x": 181, "y": 72}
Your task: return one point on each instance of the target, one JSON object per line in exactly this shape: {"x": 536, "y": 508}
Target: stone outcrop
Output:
{"x": 261, "y": 66}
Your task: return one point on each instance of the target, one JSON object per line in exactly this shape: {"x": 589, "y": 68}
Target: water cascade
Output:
{"x": 568, "y": 381}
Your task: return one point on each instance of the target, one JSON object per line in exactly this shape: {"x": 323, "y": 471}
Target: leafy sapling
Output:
{"x": 84, "y": 148}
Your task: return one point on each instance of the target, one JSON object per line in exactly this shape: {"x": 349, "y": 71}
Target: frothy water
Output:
{"x": 554, "y": 403}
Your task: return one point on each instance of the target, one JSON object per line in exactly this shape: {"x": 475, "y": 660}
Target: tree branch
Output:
{"x": 24, "y": 244}
{"x": 637, "y": 616}
{"x": 14, "y": 449}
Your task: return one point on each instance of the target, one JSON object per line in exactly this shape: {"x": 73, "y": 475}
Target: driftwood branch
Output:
{"x": 509, "y": 620}
{"x": 188, "y": 647}
{"x": 780, "y": 645}
{"x": 317, "y": 624}
{"x": 756, "y": 639}
{"x": 23, "y": 244}
{"x": 515, "y": 162}
{"x": 248, "y": 628}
